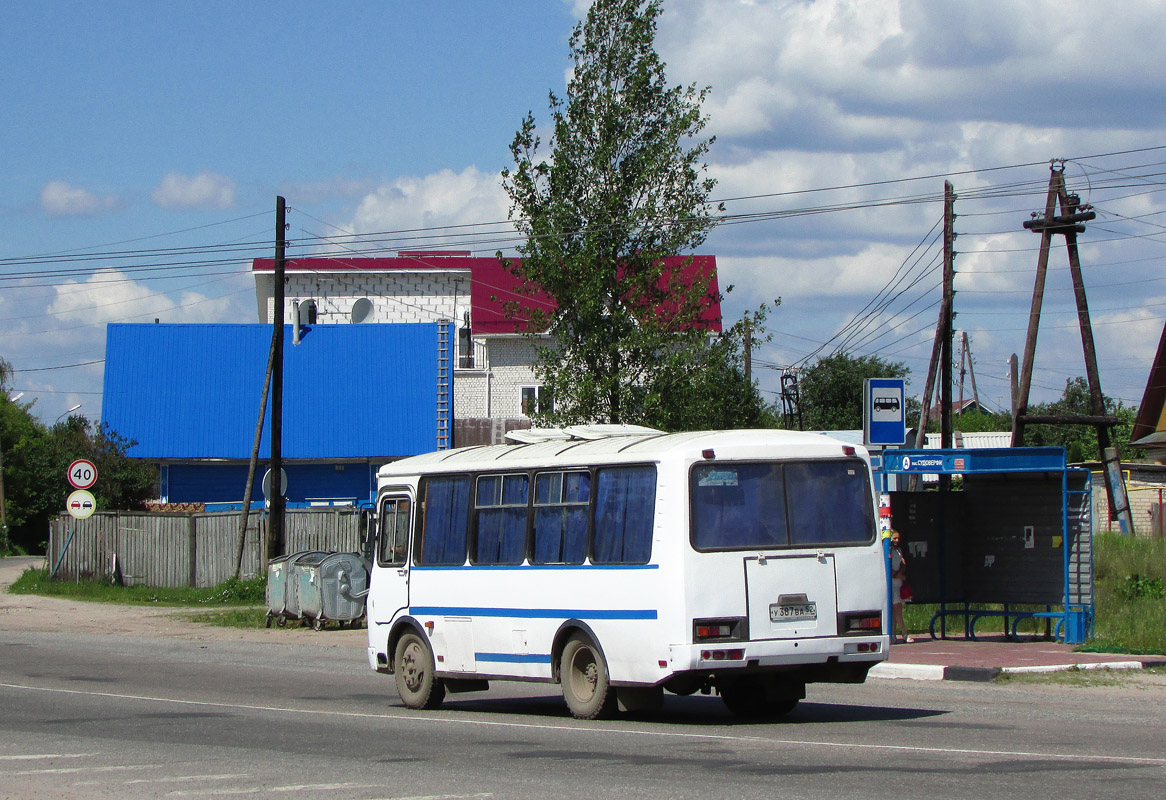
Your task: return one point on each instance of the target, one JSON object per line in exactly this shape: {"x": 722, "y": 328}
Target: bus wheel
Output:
{"x": 413, "y": 667}
{"x": 586, "y": 683}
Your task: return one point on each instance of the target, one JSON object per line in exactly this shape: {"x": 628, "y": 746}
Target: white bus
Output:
{"x": 621, "y": 564}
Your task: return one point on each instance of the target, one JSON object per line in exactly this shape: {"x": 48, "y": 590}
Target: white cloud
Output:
{"x": 439, "y": 200}
{"x": 115, "y": 297}
{"x": 61, "y": 199}
{"x": 206, "y": 190}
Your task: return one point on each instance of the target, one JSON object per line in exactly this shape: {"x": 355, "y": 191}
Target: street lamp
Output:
{"x": 70, "y": 411}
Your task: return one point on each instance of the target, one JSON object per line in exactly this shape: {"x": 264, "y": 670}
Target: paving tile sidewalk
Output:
{"x": 984, "y": 658}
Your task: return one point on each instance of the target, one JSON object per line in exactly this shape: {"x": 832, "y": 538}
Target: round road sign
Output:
{"x": 81, "y": 504}
{"x": 82, "y": 474}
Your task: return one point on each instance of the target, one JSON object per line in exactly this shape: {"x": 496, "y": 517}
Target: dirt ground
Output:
{"x": 25, "y": 612}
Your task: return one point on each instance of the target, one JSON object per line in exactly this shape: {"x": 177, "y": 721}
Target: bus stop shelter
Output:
{"x": 1016, "y": 533}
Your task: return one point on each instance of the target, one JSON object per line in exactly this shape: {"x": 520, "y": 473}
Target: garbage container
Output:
{"x": 276, "y": 592}
{"x": 332, "y": 586}
{"x": 283, "y": 587}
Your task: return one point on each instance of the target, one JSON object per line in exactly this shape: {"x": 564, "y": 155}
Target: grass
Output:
{"x": 1129, "y": 598}
{"x": 232, "y": 592}
{"x": 252, "y": 617}
{"x": 1078, "y": 678}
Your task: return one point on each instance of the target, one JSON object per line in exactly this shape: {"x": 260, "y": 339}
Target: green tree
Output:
{"x": 621, "y": 189}
{"x": 831, "y": 390}
{"x": 36, "y": 458}
{"x": 1080, "y": 441}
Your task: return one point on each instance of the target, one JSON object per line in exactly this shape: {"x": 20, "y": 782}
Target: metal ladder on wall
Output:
{"x": 444, "y": 388}
{"x": 1079, "y": 548}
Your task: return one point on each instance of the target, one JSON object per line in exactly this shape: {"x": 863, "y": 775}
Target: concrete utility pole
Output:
{"x": 275, "y": 518}
{"x": 1068, "y": 224}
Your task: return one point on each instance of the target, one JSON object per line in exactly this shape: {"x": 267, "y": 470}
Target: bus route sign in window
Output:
{"x": 764, "y": 505}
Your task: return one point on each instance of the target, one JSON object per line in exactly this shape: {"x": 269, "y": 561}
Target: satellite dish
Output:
{"x": 361, "y": 310}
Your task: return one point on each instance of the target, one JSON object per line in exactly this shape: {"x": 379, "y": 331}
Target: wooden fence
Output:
{"x": 198, "y": 549}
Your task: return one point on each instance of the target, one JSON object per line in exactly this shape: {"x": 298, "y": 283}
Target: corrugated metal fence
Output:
{"x": 189, "y": 549}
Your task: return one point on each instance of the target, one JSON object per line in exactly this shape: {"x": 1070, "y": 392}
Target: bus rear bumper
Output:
{"x": 778, "y": 653}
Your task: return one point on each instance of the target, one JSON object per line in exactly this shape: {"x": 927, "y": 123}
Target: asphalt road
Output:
{"x": 104, "y": 716}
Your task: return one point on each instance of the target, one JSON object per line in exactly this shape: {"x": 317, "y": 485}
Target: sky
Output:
{"x": 144, "y": 145}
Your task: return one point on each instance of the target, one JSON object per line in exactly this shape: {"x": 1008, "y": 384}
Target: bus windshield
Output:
{"x": 750, "y": 505}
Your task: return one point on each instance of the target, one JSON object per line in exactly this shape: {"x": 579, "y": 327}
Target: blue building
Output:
{"x": 354, "y": 397}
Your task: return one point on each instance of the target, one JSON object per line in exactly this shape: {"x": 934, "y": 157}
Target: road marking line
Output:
{"x": 582, "y": 728}
{"x": 188, "y": 778}
{"x": 304, "y": 787}
{"x": 35, "y": 756}
{"x": 73, "y": 770}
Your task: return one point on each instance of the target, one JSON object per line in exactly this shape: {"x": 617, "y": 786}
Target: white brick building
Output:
{"x": 493, "y": 369}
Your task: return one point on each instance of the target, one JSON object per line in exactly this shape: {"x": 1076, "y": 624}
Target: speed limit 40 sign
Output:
{"x": 82, "y": 474}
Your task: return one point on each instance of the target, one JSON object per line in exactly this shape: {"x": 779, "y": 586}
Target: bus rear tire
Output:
{"x": 586, "y": 681}
{"x": 417, "y": 685}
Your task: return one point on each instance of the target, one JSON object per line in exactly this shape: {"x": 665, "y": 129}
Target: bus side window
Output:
{"x": 625, "y": 507}
{"x": 500, "y": 508}
{"x": 561, "y": 501}
{"x": 444, "y": 522}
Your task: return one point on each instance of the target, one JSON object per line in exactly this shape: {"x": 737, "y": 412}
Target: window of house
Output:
{"x": 536, "y": 399}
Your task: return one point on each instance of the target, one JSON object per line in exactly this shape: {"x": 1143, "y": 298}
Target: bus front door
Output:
{"x": 390, "y": 583}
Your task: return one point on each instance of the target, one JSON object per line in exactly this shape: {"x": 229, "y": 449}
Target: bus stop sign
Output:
{"x": 884, "y": 412}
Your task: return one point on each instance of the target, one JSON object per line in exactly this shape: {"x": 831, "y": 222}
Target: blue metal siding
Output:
{"x": 350, "y": 391}
{"x": 224, "y": 483}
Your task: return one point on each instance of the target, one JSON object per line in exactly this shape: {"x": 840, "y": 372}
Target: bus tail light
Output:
{"x": 736, "y": 654}
{"x": 863, "y": 622}
{"x": 719, "y": 630}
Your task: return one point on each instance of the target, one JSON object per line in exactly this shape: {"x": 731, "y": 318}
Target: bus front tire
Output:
{"x": 413, "y": 668}
{"x": 586, "y": 681}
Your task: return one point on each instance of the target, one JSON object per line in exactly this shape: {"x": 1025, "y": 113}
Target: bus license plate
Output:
{"x": 779, "y": 612}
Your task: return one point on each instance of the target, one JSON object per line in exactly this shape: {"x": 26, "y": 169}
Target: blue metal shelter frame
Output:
{"x": 1074, "y": 621}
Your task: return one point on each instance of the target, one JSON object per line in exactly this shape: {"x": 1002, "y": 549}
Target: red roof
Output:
{"x": 492, "y": 286}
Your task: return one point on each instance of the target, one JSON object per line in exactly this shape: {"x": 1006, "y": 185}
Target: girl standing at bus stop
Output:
{"x": 898, "y": 581}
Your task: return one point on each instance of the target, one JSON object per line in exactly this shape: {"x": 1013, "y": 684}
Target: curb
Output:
{"x": 936, "y": 672}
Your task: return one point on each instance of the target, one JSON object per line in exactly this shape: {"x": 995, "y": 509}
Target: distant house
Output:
{"x": 494, "y": 382}
{"x": 1149, "y": 433}
{"x": 958, "y": 408}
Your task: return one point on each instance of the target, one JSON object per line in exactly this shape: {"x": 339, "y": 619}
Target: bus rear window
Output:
{"x": 766, "y": 505}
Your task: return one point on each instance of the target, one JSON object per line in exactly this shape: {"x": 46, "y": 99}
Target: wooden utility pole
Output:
{"x": 1069, "y": 223}
{"x": 948, "y": 324}
{"x": 276, "y": 508}
{"x": 939, "y": 367}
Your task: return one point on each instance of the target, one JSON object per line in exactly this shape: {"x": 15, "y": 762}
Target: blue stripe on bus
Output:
{"x": 513, "y": 658}
{"x": 504, "y": 567}
{"x": 536, "y": 613}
